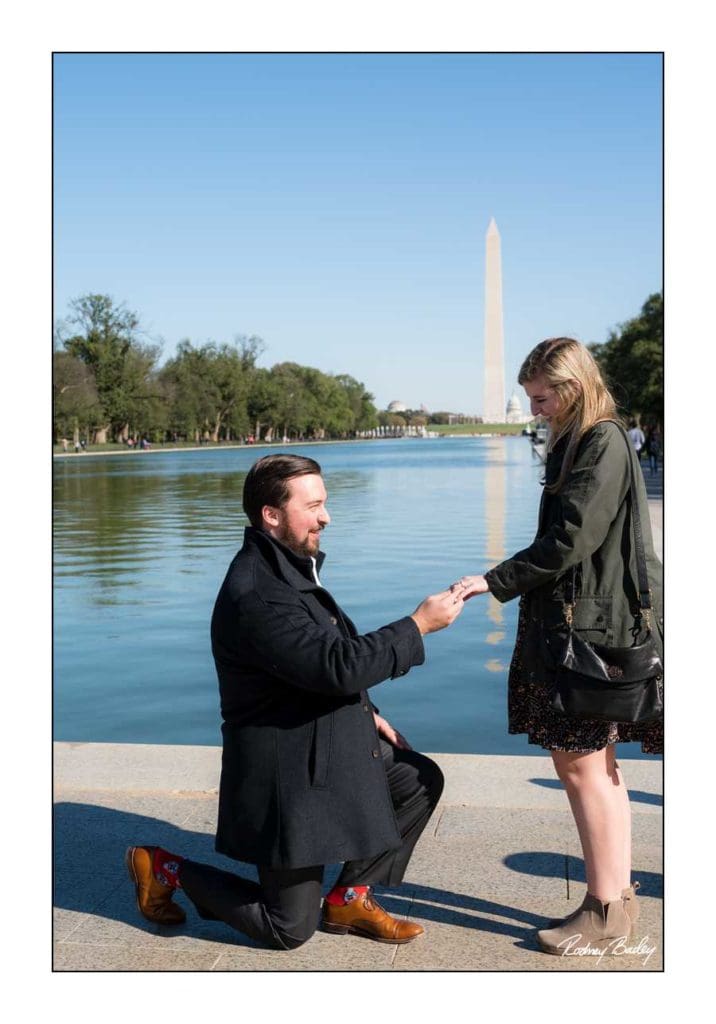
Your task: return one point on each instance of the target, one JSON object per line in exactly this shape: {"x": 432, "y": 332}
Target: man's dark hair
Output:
{"x": 266, "y": 482}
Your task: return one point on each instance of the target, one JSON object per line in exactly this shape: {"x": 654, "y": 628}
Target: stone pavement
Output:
{"x": 498, "y": 859}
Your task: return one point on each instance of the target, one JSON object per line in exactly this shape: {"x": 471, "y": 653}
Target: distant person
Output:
{"x": 78, "y": 447}
{"x": 636, "y": 436}
{"x": 64, "y": 444}
{"x": 311, "y": 774}
{"x": 652, "y": 444}
{"x": 585, "y": 521}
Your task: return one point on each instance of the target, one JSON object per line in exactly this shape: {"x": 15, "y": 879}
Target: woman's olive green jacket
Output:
{"x": 587, "y": 524}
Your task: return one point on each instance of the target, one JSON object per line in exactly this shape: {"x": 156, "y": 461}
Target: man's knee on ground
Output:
{"x": 296, "y": 937}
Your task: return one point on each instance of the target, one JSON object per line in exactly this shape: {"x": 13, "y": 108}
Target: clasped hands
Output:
{"x": 439, "y": 610}
{"x": 469, "y": 586}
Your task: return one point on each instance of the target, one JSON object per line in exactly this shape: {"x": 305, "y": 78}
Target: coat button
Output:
{"x": 366, "y": 708}
{"x": 334, "y": 620}
{"x": 376, "y": 753}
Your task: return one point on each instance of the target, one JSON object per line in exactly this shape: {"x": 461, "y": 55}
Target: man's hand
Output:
{"x": 386, "y": 730}
{"x": 437, "y": 611}
{"x": 469, "y": 586}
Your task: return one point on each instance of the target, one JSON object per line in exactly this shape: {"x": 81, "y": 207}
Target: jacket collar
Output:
{"x": 297, "y": 570}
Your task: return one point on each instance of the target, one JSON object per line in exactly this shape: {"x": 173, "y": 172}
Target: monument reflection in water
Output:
{"x": 495, "y": 484}
{"x": 143, "y": 540}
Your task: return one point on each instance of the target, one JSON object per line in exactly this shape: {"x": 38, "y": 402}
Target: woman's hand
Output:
{"x": 470, "y": 586}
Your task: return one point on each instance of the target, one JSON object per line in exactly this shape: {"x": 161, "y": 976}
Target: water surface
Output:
{"x": 143, "y": 540}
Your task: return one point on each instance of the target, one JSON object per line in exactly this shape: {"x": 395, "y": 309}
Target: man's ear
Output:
{"x": 270, "y": 515}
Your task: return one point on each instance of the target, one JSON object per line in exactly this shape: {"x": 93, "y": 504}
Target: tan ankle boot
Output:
{"x": 631, "y": 905}
{"x": 595, "y": 925}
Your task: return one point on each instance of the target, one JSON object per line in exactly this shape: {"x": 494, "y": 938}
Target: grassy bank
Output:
{"x": 112, "y": 448}
{"x": 443, "y": 429}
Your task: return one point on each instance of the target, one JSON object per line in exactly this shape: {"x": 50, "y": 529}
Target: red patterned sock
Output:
{"x": 166, "y": 867}
{"x": 342, "y": 894}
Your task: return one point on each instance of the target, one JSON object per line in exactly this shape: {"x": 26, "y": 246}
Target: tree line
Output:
{"x": 632, "y": 361}
{"x": 108, "y": 386}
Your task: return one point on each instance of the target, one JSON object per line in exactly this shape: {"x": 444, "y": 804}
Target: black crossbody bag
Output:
{"x": 609, "y": 684}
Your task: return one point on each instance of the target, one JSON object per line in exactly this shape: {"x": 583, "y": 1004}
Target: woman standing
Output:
{"x": 585, "y": 523}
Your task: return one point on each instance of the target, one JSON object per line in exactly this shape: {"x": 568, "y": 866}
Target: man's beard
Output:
{"x": 307, "y": 547}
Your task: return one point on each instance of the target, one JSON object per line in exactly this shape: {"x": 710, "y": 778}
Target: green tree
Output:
{"x": 391, "y": 419}
{"x": 303, "y": 401}
{"x": 208, "y": 387}
{"x": 183, "y": 382}
{"x": 632, "y": 361}
{"x": 294, "y": 406}
{"x": 229, "y": 389}
{"x": 365, "y": 415}
{"x": 75, "y": 404}
{"x": 262, "y": 401}
{"x": 331, "y": 409}
{"x": 106, "y": 379}
{"x": 105, "y": 337}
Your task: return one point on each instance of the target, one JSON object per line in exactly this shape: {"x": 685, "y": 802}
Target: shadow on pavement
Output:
{"x": 635, "y": 795}
{"x": 90, "y": 878}
{"x": 543, "y": 865}
{"x": 459, "y": 909}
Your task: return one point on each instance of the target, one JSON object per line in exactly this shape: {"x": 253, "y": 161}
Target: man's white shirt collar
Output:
{"x": 315, "y": 570}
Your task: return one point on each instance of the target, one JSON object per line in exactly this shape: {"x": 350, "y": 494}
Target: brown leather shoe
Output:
{"x": 363, "y": 916}
{"x": 154, "y": 899}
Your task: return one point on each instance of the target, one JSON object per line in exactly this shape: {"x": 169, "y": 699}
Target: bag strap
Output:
{"x": 644, "y": 591}
{"x": 643, "y": 578}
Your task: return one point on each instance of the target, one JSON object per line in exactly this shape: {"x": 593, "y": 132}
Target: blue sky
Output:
{"x": 336, "y": 205}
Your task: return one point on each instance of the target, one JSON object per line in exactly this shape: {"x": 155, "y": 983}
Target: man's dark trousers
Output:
{"x": 282, "y": 910}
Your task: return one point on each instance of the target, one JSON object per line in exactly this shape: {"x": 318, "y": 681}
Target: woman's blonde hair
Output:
{"x": 584, "y": 399}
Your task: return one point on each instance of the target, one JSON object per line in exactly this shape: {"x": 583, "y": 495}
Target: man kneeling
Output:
{"x": 311, "y": 774}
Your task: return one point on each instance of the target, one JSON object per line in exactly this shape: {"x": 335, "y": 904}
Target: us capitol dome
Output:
{"x": 514, "y": 412}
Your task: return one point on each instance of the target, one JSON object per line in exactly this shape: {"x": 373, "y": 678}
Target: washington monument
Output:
{"x": 494, "y": 408}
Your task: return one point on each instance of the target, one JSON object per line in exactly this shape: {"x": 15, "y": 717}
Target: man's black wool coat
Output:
{"x": 302, "y": 779}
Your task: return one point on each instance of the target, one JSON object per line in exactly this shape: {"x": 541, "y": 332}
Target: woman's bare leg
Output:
{"x": 600, "y": 805}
